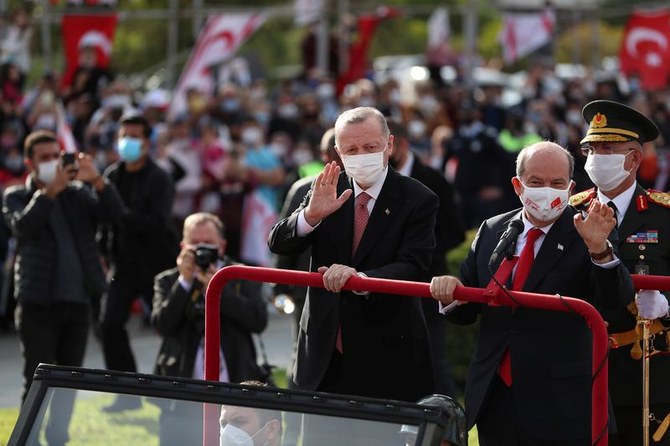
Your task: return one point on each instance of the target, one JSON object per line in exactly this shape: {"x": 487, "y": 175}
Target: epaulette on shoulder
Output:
{"x": 659, "y": 198}
{"x": 583, "y": 197}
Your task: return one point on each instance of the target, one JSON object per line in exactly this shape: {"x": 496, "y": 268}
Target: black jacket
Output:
{"x": 143, "y": 241}
{"x": 27, "y": 211}
{"x": 243, "y": 312}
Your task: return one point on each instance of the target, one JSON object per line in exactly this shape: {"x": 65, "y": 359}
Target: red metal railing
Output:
{"x": 492, "y": 295}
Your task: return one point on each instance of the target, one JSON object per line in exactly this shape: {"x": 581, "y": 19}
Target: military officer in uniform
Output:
{"x": 613, "y": 146}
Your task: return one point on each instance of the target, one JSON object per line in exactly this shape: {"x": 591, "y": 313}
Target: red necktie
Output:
{"x": 522, "y": 269}
{"x": 361, "y": 216}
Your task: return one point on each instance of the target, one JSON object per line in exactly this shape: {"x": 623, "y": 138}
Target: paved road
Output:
{"x": 145, "y": 343}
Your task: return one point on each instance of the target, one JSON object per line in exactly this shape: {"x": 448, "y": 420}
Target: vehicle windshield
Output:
{"x": 242, "y": 416}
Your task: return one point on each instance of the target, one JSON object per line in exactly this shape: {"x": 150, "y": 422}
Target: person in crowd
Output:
{"x": 58, "y": 274}
{"x": 613, "y": 146}
{"x": 264, "y": 174}
{"x": 449, "y": 233}
{"x": 139, "y": 245}
{"x": 474, "y": 148}
{"x": 353, "y": 342}
{"x": 250, "y": 425}
{"x": 179, "y": 316}
{"x": 530, "y": 377}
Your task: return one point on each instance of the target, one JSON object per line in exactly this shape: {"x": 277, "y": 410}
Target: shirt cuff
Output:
{"x": 185, "y": 284}
{"x": 608, "y": 265}
{"x": 446, "y": 309}
{"x": 304, "y": 228}
{"x": 361, "y": 293}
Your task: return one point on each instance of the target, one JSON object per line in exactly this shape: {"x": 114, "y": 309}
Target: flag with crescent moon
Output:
{"x": 87, "y": 30}
{"x": 645, "y": 49}
{"x": 222, "y": 36}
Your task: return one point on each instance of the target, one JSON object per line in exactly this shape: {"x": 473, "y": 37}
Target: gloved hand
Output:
{"x": 651, "y": 304}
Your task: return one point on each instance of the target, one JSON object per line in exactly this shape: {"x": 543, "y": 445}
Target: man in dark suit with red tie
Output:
{"x": 370, "y": 221}
{"x": 529, "y": 382}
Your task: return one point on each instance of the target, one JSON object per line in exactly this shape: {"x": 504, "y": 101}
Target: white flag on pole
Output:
{"x": 307, "y": 11}
{"x": 438, "y": 27}
{"x": 523, "y": 33}
{"x": 217, "y": 42}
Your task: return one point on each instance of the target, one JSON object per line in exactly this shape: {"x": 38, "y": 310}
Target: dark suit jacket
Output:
{"x": 384, "y": 336}
{"x": 625, "y": 373}
{"x": 243, "y": 312}
{"x": 550, "y": 351}
{"x": 449, "y": 227}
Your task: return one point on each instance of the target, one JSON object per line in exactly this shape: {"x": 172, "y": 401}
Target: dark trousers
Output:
{"x": 499, "y": 422}
{"x": 629, "y": 425}
{"x": 124, "y": 288}
{"x": 53, "y": 334}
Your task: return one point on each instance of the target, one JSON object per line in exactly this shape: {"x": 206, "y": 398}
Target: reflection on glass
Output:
{"x": 171, "y": 422}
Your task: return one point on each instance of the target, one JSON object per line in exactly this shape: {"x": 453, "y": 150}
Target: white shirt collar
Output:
{"x": 621, "y": 201}
{"x": 406, "y": 169}
{"x": 527, "y": 226}
{"x": 374, "y": 190}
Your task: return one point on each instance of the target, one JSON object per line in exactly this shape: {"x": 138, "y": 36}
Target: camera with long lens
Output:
{"x": 205, "y": 255}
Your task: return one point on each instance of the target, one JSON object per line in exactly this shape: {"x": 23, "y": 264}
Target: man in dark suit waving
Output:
{"x": 361, "y": 343}
{"x": 530, "y": 378}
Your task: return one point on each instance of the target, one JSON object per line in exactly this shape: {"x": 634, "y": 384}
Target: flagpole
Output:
{"x": 173, "y": 37}
{"x": 46, "y": 36}
{"x": 323, "y": 41}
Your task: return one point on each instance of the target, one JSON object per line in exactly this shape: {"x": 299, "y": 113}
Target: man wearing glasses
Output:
{"x": 613, "y": 147}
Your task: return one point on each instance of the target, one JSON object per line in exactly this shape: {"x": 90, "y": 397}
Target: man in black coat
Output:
{"x": 530, "y": 377}
{"x": 58, "y": 273}
{"x": 642, "y": 239}
{"x": 362, "y": 343}
{"x": 449, "y": 233}
{"x": 139, "y": 245}
{"x": 179, "y": 316}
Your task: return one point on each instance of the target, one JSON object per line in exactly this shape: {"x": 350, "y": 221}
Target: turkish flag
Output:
{"x": 87, "y": 30}
{"x": 645, "y": 50}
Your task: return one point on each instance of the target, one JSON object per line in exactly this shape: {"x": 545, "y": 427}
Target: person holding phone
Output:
{"x": 59, "y": 278}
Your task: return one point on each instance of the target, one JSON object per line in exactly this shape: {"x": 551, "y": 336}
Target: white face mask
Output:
{"x": 234, "y": 436}
{"x": 46, "y": 171}
{"x": 544, "y": 203}
{"x": 252, "y": 136}
{"x": 364, "y": 169}
{"x": 606, "y": 171}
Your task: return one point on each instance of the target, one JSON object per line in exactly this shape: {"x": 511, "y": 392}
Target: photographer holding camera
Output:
{"x": 179, "y": 316}
{"x": 58, "y": 273}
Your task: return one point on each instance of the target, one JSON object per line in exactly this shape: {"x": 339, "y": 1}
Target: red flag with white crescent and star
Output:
{"x": 645, "y": 49}
{"x": 81, "y": 30}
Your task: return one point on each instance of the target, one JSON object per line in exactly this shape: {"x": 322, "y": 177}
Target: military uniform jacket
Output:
{"x": 642, "y": 242}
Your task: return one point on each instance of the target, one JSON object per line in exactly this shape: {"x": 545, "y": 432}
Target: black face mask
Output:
{"x": 394, "y": 163}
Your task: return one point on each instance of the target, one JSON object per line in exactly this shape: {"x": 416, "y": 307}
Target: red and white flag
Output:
{"x": 645, "y": 49}
{"x": 523, "y": 33}
{"x": 64, "y": 131}
{"x": 87, "y": 30}
{"x": 217, "y": 42}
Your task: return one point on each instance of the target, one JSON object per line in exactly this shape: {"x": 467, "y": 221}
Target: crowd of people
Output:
{"x": 153, "y": 201}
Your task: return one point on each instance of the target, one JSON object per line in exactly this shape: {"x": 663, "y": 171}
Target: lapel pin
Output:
{"x": 387, "y": 212}
{"x": 559, "y": 247}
